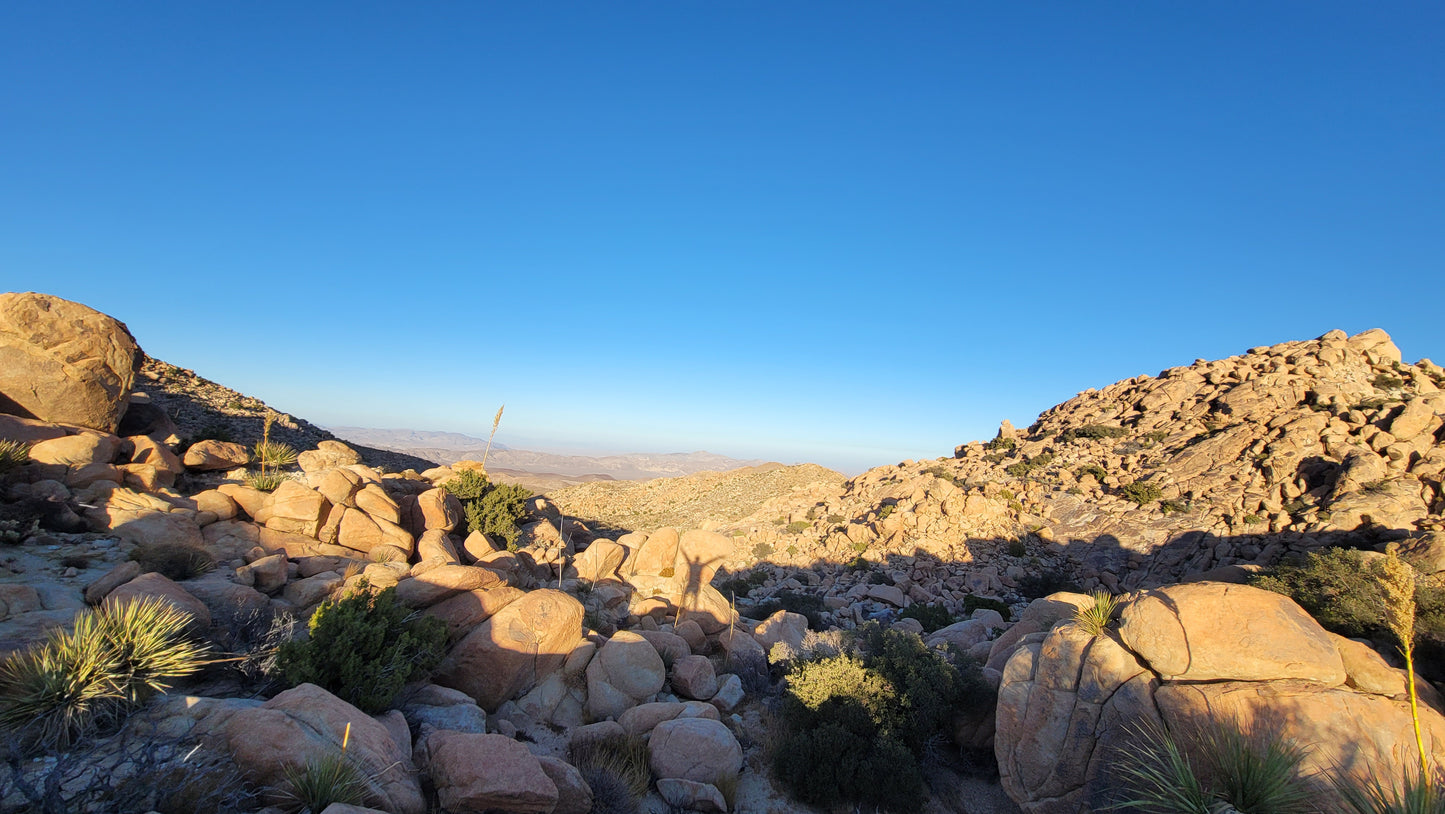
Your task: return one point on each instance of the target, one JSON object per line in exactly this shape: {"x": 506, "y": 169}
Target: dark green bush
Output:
{"x": 1091, "y": 469}
{"x": 468, "y": 484}
{"x": 798, "y": 526}
{"x": 806, "y": 604}
{"x": 1343, "y": 594}
{"x": 363, "y": 648}
{"x": 1141, "y": 492}
{"x": 1000, "y": 444}
{"x": 742, "y": 584}
{"x": 855, "y": 724}
{"x": 498, "y": 511}
{"x": 1023, "y": 468}
{"x": 932, "y": 617}
{"x": 1091, "y": 432}
{"x": 973, "y": 602}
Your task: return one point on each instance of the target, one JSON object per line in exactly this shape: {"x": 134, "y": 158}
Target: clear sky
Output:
{"x": 843, "y": 232}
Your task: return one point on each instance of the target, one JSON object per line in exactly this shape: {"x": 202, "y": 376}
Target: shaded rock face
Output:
{"x": 520, "y": 645}
{"x": 1186, "y": 656}
{"x": 63, "y": 362}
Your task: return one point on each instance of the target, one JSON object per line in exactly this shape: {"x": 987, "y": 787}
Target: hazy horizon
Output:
{"x": 844, "y": 233}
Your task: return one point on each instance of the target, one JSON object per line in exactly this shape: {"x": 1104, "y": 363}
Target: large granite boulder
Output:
{"x": 1188, "y": 656}
{"x": 516, "y": 648}
{"x": 63, "y": 362}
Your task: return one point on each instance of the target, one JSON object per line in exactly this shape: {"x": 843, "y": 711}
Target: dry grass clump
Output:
{"x": 617, "y": 771}
{"x": 174, "y": 561}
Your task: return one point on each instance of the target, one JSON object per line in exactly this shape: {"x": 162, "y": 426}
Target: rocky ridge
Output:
{"x": 1231, "y": 463}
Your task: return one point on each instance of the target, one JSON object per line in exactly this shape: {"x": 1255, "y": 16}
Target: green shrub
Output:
{"x": 1385, "y": 381}
{"x": 834, "y": 518}
{"x": 498, "y": 512}
{"x": 467, "y": 484}
{"x": 1000, "y": 444}
{"x": 1252, "y": 519}
{"x": 798, "y": 526}
{"x": 1016, "y": 548}
{"x": 1091, "y": 469}
{"x": 1346, "y": 596}
{"x": 1141, "y": 492}
{"x": 1091, "y": 432}
{"x": 973, "y": 602}
{"x": 854, "y": 724}
{"x": 762, "y": 551}
{"x": 363, "y": 648}
{"x": 1415, "y": 794}
{"x": 793, "y": 602}
{"x": 1156, "y": 436}
{"x": 932, "y": 617}
{"x": 1044, "y": 583}
{"x": 12, "y": 454}
{"x": 116, "y": 656}
{"x": 743, "y": 584}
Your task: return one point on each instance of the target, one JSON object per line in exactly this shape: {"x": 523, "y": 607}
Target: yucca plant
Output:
{"x": 1416, "y": 794}
{"x": 274, "y": 454}
{"x": 264, "y": 481}
{"x": 152, "y": 648}
{"x": 12, "y": 454}
{"x": 1095, "y": 618}
{"x": 55, "y": 692}
{"x": 331, "y": 778}
{"x": 1218, "y": 767}
{"x": 1420, "y": 791}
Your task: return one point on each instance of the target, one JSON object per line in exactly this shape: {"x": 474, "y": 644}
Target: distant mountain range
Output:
{"x": 448, "y": 447}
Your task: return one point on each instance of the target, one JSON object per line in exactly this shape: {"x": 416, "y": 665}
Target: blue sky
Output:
{"x": 850, "y": 233}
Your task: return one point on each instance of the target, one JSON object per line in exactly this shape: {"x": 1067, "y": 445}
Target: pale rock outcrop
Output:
{"x": 626, "y": 671}
{"x": 785, "y": 627}
{"x": 465, "y": 611}
{"x": 478, "y": 773}
{"x": 439, "y": 510}
{"x": 294, "y": 508}
{"x": 1176, "y": 631}
{"x": 599, "y": 561}
{"x": 63, "y": 362}
{"x": 515, "y": 648}
{"x": 209, "y": 455}
{"x": 574, "y": 796}
{"x": 81, "y": 449}
{"x": 655, "y": 553}
{"x": 697, "y": 749}
{"x": 327, "y": 455}
{"x": 156, "y": 586}
{"x": 444, "y": 582}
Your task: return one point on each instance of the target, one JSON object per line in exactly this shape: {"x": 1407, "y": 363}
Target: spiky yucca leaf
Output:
{"x": 1095, "y": 618}
{"x": 274, "y": 453}
{"x": 150, "y": 640}
{"x": 1255, "y": 773}
{"x": 12, "y": 454}
{"x": 1158, "y": 775}
{"x": 1416, "y": 794}
{"x": 54, "y": 692}
{"x": 264, "y": 481}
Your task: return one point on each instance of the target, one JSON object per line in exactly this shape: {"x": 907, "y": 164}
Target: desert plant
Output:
{"x": 798, "y": 526}
{"x": 332, "y": 778}
{"x": 264, "y": 481}
{"x": 114, "y": 657}
{"x": 617, "y": 770}
{"x": 743, "y": 583}
{"x": 174, "y": 561}
{"x": 1000, "y": 444}
{"x": 363, "y": 648}
{"x": 1141, "y": 492}
{"x": 150, "y": 642}
{"x": 932, "y": 617}
{"x": 1091, "y": 431}
{"x": 1095, "y": 617}
{"x": 1043, "y": 583}
{"x": 1416, "y": 794}
{"x": 1397, "y": 583}
{"x": 973, "y": 602}
{"x": 12, "y": 454}
{"x": 54, "y": 693}
{"x": 467, "y": 484}
{"x": 1098, "y": 472}
{"x": 499, "y": 512}
{"x": 808, "y": 605}
{"x": 762, "y": 551}
{"x": 1016, "y": 548}
{"x": 1215, "y": 767}
{"x": 274, "y": 454}
{"x": 496, "y": 421}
